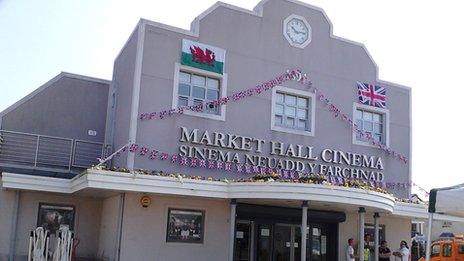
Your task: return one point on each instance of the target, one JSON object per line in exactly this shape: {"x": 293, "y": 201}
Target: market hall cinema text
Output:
{"x": 240, "y": 149}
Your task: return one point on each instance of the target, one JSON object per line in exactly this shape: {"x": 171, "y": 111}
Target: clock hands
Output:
{"x": 296, "y": 31}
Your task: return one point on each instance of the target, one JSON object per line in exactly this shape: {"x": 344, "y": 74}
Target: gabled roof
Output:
{"x": 48, "y": 84}
{"x": 258, "y": 11}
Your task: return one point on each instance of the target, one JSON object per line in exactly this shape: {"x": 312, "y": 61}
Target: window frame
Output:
{"x": 460, "y": 249}
{"x": 221, "y": 116}
{"x": 386, "y": 123}
{"x": 66, "y": 207}
{"x": 311, "y": 113}
{"x": 432, "y": 254}
{"x": 447, "y": 246}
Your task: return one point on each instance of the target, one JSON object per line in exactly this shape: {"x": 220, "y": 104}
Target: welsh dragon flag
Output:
{"x": 202, "y": 56}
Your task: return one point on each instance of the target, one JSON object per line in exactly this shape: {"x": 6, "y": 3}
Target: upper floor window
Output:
{"x": 196, "y": 89}
{"x": 372, "y": 121}
{"x": 292, "y": 111}
{"x": 194, "y": 86}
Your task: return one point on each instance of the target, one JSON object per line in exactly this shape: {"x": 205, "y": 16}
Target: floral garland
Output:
{"x": 271, "y": 178}
{"x": 295, "y": 75}
{"x": 260, "y": 173}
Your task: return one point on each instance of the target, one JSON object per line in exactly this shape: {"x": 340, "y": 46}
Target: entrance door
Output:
{"x": 287, "y": 243}
{"x": 242, "y": 241}
{"x": 282, "y": 242}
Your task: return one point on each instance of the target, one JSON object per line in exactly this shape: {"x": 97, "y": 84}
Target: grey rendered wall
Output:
{"x": 86, "y": 224}
{"x": 257, "y": 51}
{"x": 123, "y": 80}
{"x": 144, "y": 230}
{"x": 68, "y": 108}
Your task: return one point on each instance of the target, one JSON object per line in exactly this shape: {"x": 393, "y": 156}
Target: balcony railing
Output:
{"x": 41, "y": 151}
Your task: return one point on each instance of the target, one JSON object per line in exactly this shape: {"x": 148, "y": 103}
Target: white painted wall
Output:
{"x": 438, "y": 227}
{"x": 6, "y": 212}
{"x": 108, "y": 237}
{"x": 396, "y": 229}
{"x": 144, "y": 230}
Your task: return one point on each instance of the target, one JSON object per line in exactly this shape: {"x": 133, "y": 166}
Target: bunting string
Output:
{"x": 293, "y": 75}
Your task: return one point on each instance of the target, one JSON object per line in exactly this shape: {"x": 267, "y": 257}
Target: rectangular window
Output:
{"x": 292, "y": 111}
{"x": 435, "y": 250}
{"x": 447, "y": 250}
{"x": 371, "y": 121}
{"x": 185, "y": 226}
{"x": 194, "y": 89}
{"x": 461, "y": 249}
{"x": 369, "y": 232}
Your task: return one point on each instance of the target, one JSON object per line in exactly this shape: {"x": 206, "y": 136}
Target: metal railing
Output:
{"x": 18, "y": 148}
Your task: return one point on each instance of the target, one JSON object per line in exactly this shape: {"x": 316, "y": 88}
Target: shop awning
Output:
{"x": 447, "y": 200}
{"x": 444, "y": 201}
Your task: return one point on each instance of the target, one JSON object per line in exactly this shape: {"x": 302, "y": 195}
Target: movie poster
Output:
{"x": 185, "y": 226}
{"x": 53, "y": 217}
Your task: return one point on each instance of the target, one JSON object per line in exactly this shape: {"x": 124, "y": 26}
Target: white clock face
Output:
{"x": 297, "y": 31}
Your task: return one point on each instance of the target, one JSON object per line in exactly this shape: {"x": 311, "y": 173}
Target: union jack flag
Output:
{"x": 372, "y": 95}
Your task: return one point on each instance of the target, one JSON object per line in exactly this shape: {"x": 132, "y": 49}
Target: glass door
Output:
{"x": 317, "y": 243}
{"x": 283, "y": 243}
{"x": 297, "y": 243}
{"x": 242, "y": 241}
{"x": 264, "y": 242}
{"x": 287, "y": 243}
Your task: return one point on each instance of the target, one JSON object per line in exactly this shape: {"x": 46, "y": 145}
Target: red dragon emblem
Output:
{"x": 200, "y": 56}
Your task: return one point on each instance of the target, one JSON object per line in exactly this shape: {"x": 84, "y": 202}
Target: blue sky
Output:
{"x": 414, "y": 43}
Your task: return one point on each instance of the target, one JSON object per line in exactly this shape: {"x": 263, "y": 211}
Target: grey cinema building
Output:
{"x": 244, "y": 138}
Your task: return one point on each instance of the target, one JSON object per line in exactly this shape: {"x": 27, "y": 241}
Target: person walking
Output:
{"x": 384, "y": 251}
{"x": 350, "y": 256}
{"x": 403, "y": 253}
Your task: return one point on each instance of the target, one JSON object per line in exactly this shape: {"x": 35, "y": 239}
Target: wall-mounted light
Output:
{"x": 145, "y": 201}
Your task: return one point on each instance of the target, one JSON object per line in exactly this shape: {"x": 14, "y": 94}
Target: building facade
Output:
{"x": 255, "y": 135}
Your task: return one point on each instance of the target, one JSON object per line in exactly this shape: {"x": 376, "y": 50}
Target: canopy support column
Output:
{"x": 376, "y": 236}
{"x": 304, "y": 228}
{"x": 361, "y": 213}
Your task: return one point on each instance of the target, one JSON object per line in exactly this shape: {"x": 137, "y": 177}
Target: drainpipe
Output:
{"x": 122, "y": 199}
{"x": 233, "y": 212}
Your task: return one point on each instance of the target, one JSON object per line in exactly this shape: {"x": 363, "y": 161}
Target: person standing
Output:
{"x": 403, "y": 253}
{"x": 367, "y": 248}
{"x": 350, "y": 256}
{"x": 384, "y": 251}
